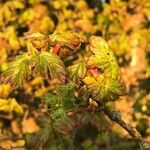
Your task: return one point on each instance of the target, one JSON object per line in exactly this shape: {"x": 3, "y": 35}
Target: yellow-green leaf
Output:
{"x": 77, "y": 71}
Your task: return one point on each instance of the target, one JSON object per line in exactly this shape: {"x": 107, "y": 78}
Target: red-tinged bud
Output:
{"x": 56, "y": 49}
{"x": 94, "y": 72}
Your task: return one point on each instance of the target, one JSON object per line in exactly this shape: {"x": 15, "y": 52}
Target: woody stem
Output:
{"x": 115, "y": 116}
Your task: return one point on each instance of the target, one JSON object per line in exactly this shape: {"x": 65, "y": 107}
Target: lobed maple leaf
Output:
{"x": 18, "y": 70}
{"x": 109, "y": 84}
{"x": 77, "y": 71}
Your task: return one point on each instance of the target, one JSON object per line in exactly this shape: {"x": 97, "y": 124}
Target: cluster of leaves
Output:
{"x": 39, "y": 59}
{"x": 107, "y": 86}
{"x": 125, "y": 26}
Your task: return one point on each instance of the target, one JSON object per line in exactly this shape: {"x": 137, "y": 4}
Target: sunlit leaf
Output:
{"x": 47, "y": 63}
{"x": 64, "y": 101}
{"x": 77, "y": 71}
{"x": 18, "y": 70}
{"x": 106, "y": 89}
{"x": 109, "y": 84}
{"x": 70, "y": 40}
{"x": 38, "y": 41}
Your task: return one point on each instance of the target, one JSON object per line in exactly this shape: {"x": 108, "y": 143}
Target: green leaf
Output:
{"x": 65, "y": 98}
{"x": 64, "y": 102}
{"x": 18, "y": 70}
{"x": 109, "y": 84}
{"x": 49, "y": 63}
{"x": 106, "y": 89}
{"x": 103, "y": 57}
{"x": 52, "y": 100}
{"x": 77, "y": 71}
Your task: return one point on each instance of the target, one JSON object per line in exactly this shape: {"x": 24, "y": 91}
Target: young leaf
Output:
{"x": 103, "y": 57}
{"x": 64, "y": 101}
{"x": 18, "y": 70}
{"x": 70, "y": 42}
{"x": 106, "y": 89}
{"x": 49, "y": 63}
{"x": 69, "y": 39}
{"x": 109, "y": 84}
{"x": 38, "y": 41}
{"x": 77, "y": 71}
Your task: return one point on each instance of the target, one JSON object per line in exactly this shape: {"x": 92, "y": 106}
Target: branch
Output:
{"x": 115, "y": 116}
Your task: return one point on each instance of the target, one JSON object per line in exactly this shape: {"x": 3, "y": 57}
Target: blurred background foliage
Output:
{"x": 125, "y": 24}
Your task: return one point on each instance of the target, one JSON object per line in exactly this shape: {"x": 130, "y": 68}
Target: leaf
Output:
{"x": 65, "y": 98}
{"x": 52, "y": 100}
{"x": 10, "y": 105}
{"x": 77, "y": 71}
{"x": 99, "y": 46}
{"x": 109, "y": 84}
{"x": 15, "y": 127}
{"x": 39, "y": 41}
{"x": 103, "y": 57}
{"x": 49, "y": 63}
{"x": 70, "y": 42}
{"x": 106, "y": 89}
{"x": 69, "y": 39}
{"x": 18, "y": 70}
{"x": 64, "y": 102}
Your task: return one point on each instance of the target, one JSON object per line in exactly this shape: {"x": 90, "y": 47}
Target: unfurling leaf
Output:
{"x": 108, "y": 85}
{"x": 106, "y": 89}
{"x": 77, "y": 71}
{"x": 98, "y": 46}
{"x": 65, "y": 98}
{"x": 38, "y": 41}
{"x": 49, "y": 63}
{"x": 18, "y": 70}
{"x": 69, "y": 41}
{"x": 10, "y": 105}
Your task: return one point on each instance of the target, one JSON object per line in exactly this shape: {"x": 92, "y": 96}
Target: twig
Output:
{"x": 115, "y": 116}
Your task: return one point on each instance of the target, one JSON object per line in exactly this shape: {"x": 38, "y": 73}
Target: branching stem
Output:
{"x": 115, "y": 116}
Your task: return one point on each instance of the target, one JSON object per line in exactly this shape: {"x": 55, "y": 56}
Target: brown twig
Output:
{"x": 115, "y": 116}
